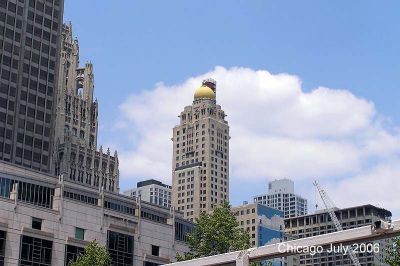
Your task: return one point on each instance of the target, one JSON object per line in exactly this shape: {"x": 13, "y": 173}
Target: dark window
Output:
{"x": 119, "y": 207}
{"x": 155, "y": 250}
{"x": 120, "y": 247}
{"x": 182, "y": 230}
{"x": 5, "y": 187}
{"x": 72, "y": 253}
{"x": 36, "y": 223}
{"x": 2, "y": 247}
{"x": 35, "y": 251}
{"x": 148, "y": 263}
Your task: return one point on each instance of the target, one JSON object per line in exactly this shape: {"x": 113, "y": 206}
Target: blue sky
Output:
{"x": 346, "y": 45}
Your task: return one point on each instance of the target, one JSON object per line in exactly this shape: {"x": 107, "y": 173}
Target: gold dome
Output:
{"x": 204, "y": 92}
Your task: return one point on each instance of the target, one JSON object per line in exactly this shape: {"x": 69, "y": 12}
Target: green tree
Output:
{"x": 393, "y": 258}
{"x": 215, "y": 233}
{"x": 94, "y": 255}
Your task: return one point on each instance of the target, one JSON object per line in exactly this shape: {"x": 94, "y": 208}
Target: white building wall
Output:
{"x": 60, "y": 221}
{"x": 152, "y": 192}
{"x": 281, "y": 196}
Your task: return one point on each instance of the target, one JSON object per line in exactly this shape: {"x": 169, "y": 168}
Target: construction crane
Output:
{"x": 330, "y": 207}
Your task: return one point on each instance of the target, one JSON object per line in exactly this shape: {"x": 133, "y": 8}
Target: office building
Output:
{"x": 320, "y": 223}
{"x": 264, "y": 224}
{"x": 281, "y": 196}
{"x": 77, "y": 157}
{"x": 152, "y": 191}
{"x": 29, "y": 48}
{"x": 45, "y": 221}
{"x": 200, "y": 179}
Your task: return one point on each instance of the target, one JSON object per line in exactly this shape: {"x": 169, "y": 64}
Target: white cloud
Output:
{"x": 277, "y": 130}
{"x": 377, "y": 186}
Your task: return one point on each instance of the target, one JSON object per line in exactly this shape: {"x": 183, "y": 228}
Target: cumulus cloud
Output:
{"x": 277, "y": 129}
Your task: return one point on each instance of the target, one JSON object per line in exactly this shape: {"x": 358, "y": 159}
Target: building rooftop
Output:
{"x": 380, "y": 211}
{"x": 151, "y": 182}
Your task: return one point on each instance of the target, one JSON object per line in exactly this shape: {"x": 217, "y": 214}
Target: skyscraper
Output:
{"x": 281, "y": 196}
{"x": 200, "y": 178}
{"x": 29, "y": 48}
{"x": 77, "y": 157}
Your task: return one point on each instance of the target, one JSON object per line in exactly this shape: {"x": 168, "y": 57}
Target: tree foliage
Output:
{"x": 393, "y": 258}
{"x": 94, "y": 255}
{"x": 215, "y": 233}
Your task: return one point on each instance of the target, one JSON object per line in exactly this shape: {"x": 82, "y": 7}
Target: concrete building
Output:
{"x": 45, "y": 221}
{"x": 76, "y": 129}
{"x": 320, "y": 223}
{"x": 30, "y": 40}
{"x": 264, "y": 224}
{"x": 281, "y": 196}
{"x": 152, "y": 191}
{"x": 200, "y": 178}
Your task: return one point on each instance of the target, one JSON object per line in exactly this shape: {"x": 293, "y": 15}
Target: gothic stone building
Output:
{"x": 77, "y": 157}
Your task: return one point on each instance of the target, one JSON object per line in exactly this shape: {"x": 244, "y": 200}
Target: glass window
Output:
{"x": 155, "y": 250}
{"x": 72, "y": 253}
{"x": 120, "y": 247}
{"x": 2, "y": 246}
{"x": 79, "y": 233}
{"x": 36, "y": 223}
{"x": 35, "y": 251}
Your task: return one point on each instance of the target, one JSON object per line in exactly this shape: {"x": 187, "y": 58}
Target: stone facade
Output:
{"x": 77, "y": 157}
{"x": 200, "y": 178}
{"x": 57, "y": 218}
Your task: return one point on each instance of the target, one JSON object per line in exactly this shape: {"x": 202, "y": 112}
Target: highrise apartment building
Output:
{"x": 29, "y": 55}
{"x": 281, "y": 196}
{"x": 77, "y": 157}
{"x": 200, "y": 178}
{"x": 320, "y": 223}
{"x": 152, "y": 191}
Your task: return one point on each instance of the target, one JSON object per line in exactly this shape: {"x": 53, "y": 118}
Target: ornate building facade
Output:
{"x": 77, "y": 157}
{"x": 200, "y": 178}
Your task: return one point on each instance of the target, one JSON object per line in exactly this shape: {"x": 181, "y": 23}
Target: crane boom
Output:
{"x": 330, "y": 207}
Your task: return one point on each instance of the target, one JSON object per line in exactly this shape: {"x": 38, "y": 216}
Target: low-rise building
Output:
{"x": 281, "y": 196}
{"x": 46, "y": 221}
{"x": 320, "y": 223}
{"x": 152, "y": 191}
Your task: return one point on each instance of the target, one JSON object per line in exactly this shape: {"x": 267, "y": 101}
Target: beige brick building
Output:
{"x": 200, "y": 165}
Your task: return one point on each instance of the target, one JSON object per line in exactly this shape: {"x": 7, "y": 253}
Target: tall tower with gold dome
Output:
{"x": 200, "y": 165}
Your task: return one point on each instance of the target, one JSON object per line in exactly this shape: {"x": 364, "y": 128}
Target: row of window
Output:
{"x": 153, "y": 217}
{"x": 82, "y": 198}
{"x": 38, "y": 252}
{"x": 27, "y": 192}
{"x": 119, "y": 207}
